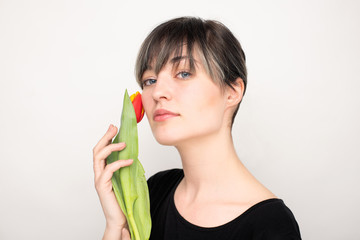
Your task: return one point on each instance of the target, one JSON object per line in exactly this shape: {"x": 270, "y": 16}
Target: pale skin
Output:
{"x": 216, "y": 187}
{"x": 116, "y": 225}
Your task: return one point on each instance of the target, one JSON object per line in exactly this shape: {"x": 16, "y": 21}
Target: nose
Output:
{"x": 163, "y": 88}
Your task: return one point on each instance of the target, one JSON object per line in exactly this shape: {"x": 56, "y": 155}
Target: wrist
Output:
{"x": 112, "y": 232}
{"x": 116, "y": 225}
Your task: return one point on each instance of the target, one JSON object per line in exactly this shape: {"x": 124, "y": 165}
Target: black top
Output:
{"x": 269, "y": 219}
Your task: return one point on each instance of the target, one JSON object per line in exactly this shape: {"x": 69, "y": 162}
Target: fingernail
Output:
{"x": 110, "y": 127}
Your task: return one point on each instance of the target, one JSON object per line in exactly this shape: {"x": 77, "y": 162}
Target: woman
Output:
{"x": 193, "y": 77}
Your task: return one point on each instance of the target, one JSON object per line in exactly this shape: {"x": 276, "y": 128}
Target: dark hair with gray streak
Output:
{"x": 220, "y": 52}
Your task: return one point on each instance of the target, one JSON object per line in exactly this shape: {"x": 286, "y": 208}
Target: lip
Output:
{"x": 163, "y": 114}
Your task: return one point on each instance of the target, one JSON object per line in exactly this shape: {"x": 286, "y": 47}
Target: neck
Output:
{"x": 210, "y": 162}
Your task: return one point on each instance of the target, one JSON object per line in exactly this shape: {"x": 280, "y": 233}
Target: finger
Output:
{"x": 106, "y": 151}
{"x": 106, "y": 139}
{"x": 112, "y": 167}
{"x": 99, "y": 158}
{"x": 125, "y": 235}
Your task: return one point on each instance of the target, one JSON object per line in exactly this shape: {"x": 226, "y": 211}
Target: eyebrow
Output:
{"x": 180, "y": 58}
{"x": 174, "y": 61}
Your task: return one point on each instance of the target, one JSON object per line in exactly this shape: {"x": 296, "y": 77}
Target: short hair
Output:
{"x": 220, "y": 52}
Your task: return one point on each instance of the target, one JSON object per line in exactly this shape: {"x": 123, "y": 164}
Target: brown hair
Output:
{"x": 221, "y": 53}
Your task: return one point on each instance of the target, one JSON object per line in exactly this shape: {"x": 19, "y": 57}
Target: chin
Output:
{"x": 166, "y": 140}
{"x": 166, "y": 134}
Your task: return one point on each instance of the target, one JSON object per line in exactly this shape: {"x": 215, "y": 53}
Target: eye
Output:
{"x": 148, "y": 82}
{"x": 183, "y": 74}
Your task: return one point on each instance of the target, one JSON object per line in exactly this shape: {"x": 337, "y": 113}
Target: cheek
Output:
{"x": 146, "y": 100}
{"x": 207, "y": 104}
{"x": 210, "y": 98}
{"x": 147, "y": 104}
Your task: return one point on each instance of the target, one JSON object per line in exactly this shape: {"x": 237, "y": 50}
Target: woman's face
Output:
{"x": 180, "y": 104}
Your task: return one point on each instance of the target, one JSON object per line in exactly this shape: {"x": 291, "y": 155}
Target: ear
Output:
{"x": 235, "y": 94}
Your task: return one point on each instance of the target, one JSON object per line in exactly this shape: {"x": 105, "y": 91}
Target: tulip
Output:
{"x": 137, "y": 103}
{"x": 129, "y": 183}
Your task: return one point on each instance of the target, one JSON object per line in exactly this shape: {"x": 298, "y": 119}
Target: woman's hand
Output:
{"x": 116, "y": 225}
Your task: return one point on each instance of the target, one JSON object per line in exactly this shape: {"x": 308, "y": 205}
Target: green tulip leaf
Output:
{"x": 129, "y": 183}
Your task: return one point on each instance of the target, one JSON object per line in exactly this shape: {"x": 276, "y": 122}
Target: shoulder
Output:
{"x": 272, "y": 219}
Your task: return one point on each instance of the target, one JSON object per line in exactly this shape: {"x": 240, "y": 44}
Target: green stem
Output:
{"x": 133, "y": 224}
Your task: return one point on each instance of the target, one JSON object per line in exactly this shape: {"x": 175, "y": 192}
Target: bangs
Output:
{"x": 176, "y": 41}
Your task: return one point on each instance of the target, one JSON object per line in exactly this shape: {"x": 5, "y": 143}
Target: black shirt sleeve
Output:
{"x": 273, "y": 220}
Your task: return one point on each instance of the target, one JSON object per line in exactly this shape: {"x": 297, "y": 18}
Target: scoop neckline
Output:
{"x": 238, "y": 218}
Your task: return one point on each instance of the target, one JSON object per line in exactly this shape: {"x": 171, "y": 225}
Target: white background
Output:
{"x": 64, "y": 66}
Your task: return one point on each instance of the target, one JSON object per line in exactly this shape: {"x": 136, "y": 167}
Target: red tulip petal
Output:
{"x": 137, "y": 103}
